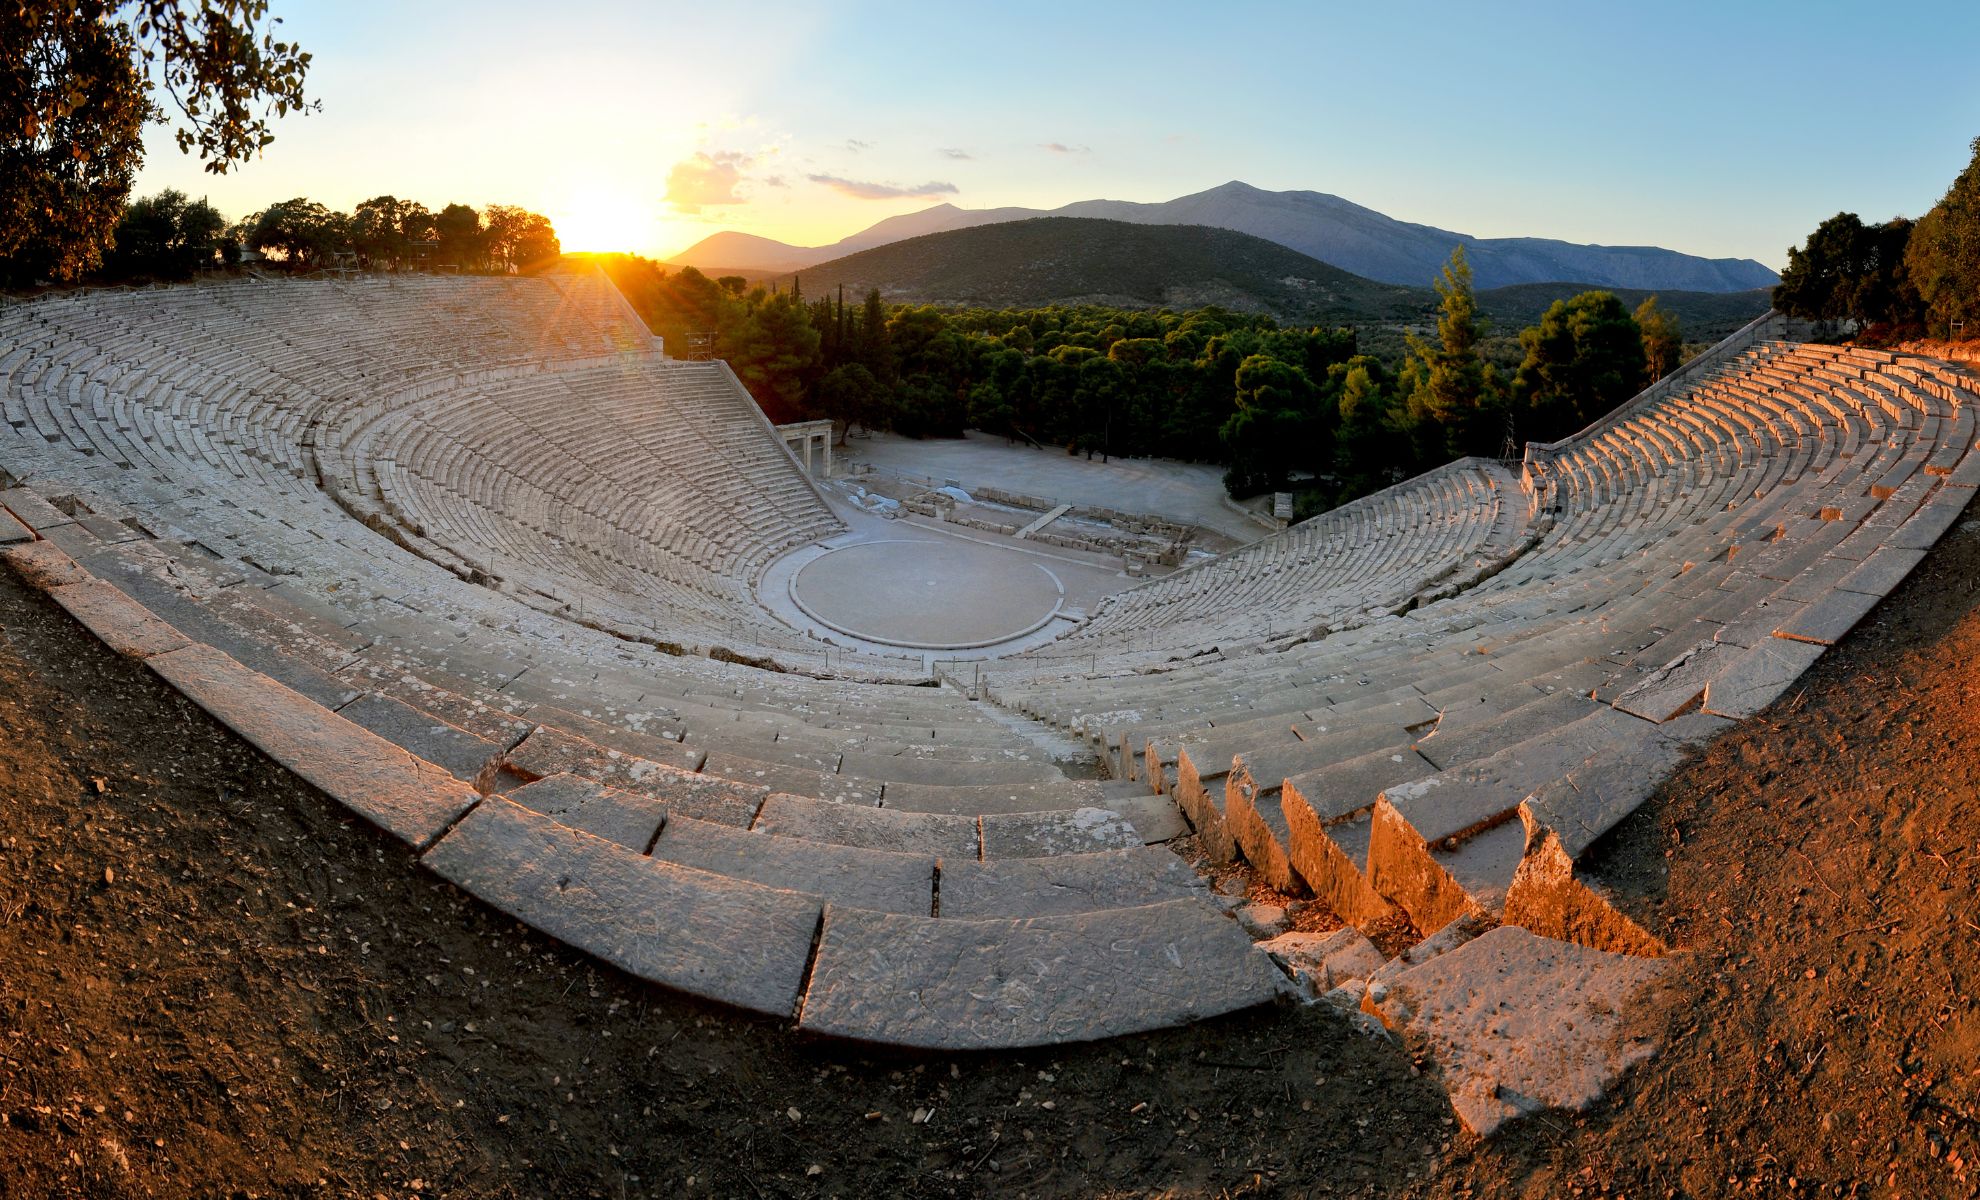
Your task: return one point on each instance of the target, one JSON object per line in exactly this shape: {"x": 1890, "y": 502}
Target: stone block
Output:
{"x": 1065, "y": 884}
{"x": 1462, "y": 741}
{"x": 975, "y": 799}
{"x": 942, "y": 984}
{"x": 1759, "y": 677}
{"x": 1329, "y": 850}
{"x": 1880, "y": 574}
{"x": 549, "y": 751}
{"x": 792, "y": 780}
{"x": 1826, "y": 621}
{"x": 402, "y": 794}
{"x": 882, "y": 880}
{"x": 119, "y": 622}
{"x": 630, "y": 820}
{"x": 1034, "y": 835}
{"x": 44, "y": 565}
{"x": 1155, "y": 818}
{"x": 1203, "y": 803}
{"x": 721, "y": 939}
{"x": 12, "y": 531}
{"x": 1547, "y": 897}
{"x": 1519, "y": 1024}
{"x": 463, "y": 754}
{"x": 1319, "y": 962}
{"x": 873, "y": 828}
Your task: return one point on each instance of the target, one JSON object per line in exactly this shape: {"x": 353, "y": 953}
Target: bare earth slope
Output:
{"x": 213, "y": 983}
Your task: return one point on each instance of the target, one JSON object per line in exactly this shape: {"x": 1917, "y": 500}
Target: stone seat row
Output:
{"x": 1331, "y": 757}
{"x": 1045, "y": 945}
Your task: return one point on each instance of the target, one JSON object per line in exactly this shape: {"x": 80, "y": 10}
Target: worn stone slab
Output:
{"x": 12, "y": 531}
{"x": 1271, "y": 764}
{"x": 1328, "y": 849}
{"x": 946, "y": 984}
{"x": 797, "y": 781}
{"x": 1677, "y": 685}
{"x": 1437, "y": 883}
{"x": 722, "y": 939}
{"x": 1446, "y": 747}
{"x": 118, "y": 622}
{"x": 1257, "y": 822}
{"x": 623, "y": 817}
{"x": 1456, "y": 803}
{"x": 1549, "y": 897}
{"x": 892, "y": 767}
{"x": 1519, "y": 1024}
{"x": 1155, "y": 818}
{"x": 1077, "y": 831}
{"x": 1320, "y": 962}
{"x": 466, "y": 756}
{"x": 33, "y": 511}
{"x": 401, "y": 793}
{"x": 1589, "y": 800}
{"x": 1923, "y": 529}
{"x": 1065, "y": 883}
{"x": 1827, "y": 620}
{"x": 1880, "y": 574}
{"x": 44, "y": 565}
{"x": 1759, "y": 677}
{"x": 1201, "y": 799}
{"x": 550, "y": 751}
{"x": 874, "y": 828}
{"x": 973, "y": 799}
{"x": 882, "y": 880}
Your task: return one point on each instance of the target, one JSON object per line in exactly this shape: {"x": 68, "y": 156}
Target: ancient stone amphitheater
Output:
{"x": 475, "y": 559}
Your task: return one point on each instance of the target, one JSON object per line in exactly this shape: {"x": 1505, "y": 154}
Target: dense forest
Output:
{"x": 1281, "y": 407}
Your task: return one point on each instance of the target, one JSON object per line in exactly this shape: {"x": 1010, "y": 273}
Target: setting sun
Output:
{"x": 604, "y": 222}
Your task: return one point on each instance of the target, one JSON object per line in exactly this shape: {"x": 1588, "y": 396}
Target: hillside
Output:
{"x": 1335, "y": 231}
{"x": 1067, "y": 260}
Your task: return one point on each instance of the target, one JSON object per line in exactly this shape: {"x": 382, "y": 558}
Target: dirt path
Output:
{"x": 213, "y": 983}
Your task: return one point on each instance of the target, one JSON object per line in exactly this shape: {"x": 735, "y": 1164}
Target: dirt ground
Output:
{"x": 213, "y": 983}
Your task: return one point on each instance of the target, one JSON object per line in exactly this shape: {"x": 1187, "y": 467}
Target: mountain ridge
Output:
{"x": 1336, "y": 231}
{"x": 1087, "y": 260}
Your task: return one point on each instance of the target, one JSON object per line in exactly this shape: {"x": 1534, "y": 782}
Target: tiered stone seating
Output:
{"x": 193, "y": 502}
{"x": 473, "y": 558}
{"x": 1695, "y": 552}
{"x": 1381, "y": 554}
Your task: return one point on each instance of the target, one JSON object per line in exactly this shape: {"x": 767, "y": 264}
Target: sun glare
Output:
{"x": 603, "y": 222}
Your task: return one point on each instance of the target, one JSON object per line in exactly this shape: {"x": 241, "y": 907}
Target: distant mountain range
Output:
{"x": 1084, "y": 260}
{"x": 1328, "y": 228}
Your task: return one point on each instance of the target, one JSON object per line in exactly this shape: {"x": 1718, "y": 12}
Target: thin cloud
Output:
{"x": 706, "y": 180}
{"x": 952, "y": 152}
{"x": 855, "y": 145}
{"x": 1062, "y": 148}
{"x": 860, "y": 189}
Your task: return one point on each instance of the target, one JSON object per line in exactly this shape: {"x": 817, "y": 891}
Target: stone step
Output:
{"x": 812, "y": 820}
{"x": 860, "y": 877}
{"x": 972, "y": 799}
{"x": 547, "y": 752}
{"x": 721, "y": 939}
{"x": 1066, "y": 883}
{"x": 625, "y": 818}
{"x": 962, "y": 984}
{"x": 1519, "y": 1024}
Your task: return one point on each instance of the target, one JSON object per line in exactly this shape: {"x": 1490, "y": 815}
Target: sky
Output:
{"x": 1721, "y": 129}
